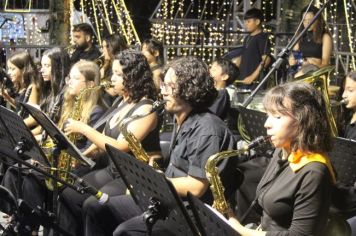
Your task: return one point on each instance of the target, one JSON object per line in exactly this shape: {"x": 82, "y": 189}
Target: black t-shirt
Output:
{"x": 221, "y": 105}
{"x": 90, "y": 55}
{"x": 309, "y": 48}
{"x": 254, "y": 47}
{"x": 294, "y": 203}
{"x": 350, "y": 131}
{"x": 200, "y": 136}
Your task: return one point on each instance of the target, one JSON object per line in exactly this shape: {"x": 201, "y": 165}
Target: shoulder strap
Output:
{"x": 138, "y": 105}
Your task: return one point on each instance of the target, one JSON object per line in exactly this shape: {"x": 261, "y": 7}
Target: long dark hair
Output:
{"x": 137, "y": 75}
{"x": 24, "y": 61}
{"x": 320, "y": 25}
{"x": 306, "y": 105}
{"x": 60, "y": 66}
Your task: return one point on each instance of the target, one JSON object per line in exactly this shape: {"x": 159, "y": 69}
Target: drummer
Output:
{"x": 224, "y": 72}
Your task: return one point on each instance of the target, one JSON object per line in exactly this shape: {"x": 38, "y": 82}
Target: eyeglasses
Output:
{"x": 167, "y": 87}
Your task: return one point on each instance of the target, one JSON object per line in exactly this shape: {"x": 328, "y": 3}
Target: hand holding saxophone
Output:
{"x": 74, "y": 126}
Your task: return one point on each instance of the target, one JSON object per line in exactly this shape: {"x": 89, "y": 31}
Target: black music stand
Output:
{"x": 61, "y": 141}
{"x": 343, "y": 159}
{"x": 14, "y": 135}
{"x": 18, "y": 143}
{"x": 153, "y": 193}
{"x": 254, "y": 121}
{"x": 209, "y": 223}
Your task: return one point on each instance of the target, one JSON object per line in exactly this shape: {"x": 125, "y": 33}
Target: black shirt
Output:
{"x": 294, "y": 203}
{"x": 350, "y": 132}
{"x": 200, "y": 136}
{"x": 254, "y": 47}
{"x": 309, "y": 48}
{"x": 90, "y": 55}
{"x": 221, "y": 105}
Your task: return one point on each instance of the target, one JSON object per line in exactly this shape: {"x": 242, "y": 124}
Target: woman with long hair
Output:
{"x": 132, "y": 80}
{"x": 24, "y": 76}
{"x": 315, "y": 46}
{"x": 111, "y": 45}
{"x": 294, "y": 193}
{"x": 153, "y": 51}
{"x": 55, "y": 66}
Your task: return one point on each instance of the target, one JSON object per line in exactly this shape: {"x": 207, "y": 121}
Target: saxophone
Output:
{"x": 65, "y": 161}
{"x": 135, "y": 145}
{"x": 212, "y": 173}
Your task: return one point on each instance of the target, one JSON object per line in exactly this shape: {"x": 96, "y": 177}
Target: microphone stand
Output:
{"x": 282, "y": 56}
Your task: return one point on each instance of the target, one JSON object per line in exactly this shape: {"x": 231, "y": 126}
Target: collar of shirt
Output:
{"x": 299, "y": 159}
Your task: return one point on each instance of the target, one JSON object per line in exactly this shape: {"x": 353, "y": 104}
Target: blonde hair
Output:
{"x": 91, "y": 72}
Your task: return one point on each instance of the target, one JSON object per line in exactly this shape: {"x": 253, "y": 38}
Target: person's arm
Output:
{"x": 309, "y": 208}
{"x": 326, "y": 50}
{"x": 8, "y": 98}
{"x": 139, "y": 128}
{"x": 249, "y": 79}
{"x": 237, "y": 61}
{"x": 34, "y": 97}
{"x": 194, "y": 185}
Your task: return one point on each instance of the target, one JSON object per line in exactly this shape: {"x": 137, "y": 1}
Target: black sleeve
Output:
{"x": 95, "y": 115}
{"x": 221, "y": 105}
{"x": 264, "y": 46}
{"x": 310, "y": 211}
{"x": 199, "y": 150}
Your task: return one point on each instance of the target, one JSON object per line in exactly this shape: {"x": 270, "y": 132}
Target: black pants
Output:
{"x": 73, "y": 203}
{"x": 120, "y": 212}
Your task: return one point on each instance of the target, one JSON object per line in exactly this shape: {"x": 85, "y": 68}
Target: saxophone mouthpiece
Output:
{"x": 258, "y": 141}
{"x": 158, "y": 105}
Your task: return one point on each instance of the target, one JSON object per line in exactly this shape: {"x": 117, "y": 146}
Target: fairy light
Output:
{"x": 349, "y": 34}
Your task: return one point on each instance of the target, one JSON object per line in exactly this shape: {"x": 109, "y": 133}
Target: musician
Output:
{"x": 256, "y": 50}
{"x": 132, "y": 79}
{"x": 345, "y": 195}
{"x": 294, "y": 193}
{"x": 24, "y": 76}
{"x": 153, "y": 51}
{"x": 55, "y": 66}
{"x": 349, "y": 95}
{"x": 316, "y": 45}
{"x": 83, "y": 75}
{"x": 198, "y": 135}
{"x": 224, "y": 72}
{"x": 83, "y": 37}
{"x": 111, "y": 45}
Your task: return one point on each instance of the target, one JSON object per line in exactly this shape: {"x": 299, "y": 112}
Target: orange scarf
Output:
{"x": 299, "y": 159}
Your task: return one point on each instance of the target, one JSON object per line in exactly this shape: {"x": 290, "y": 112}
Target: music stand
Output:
{"x": 153, "y": 193}
{"x": 343, "y": 159}
{"x": 61, "y": 140}
{"x": 254, "y": 122}
{"x": 209, "y": 223}
{"x": 18, "y": 143}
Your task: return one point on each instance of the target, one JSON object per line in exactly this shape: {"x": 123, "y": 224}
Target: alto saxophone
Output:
{"x": 212, "y": 173}
{"x": 135, "y": 145}
{"x": 65, "y": 161}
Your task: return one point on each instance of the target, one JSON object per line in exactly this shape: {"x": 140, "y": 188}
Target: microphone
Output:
{"x": 87, "y": 188}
